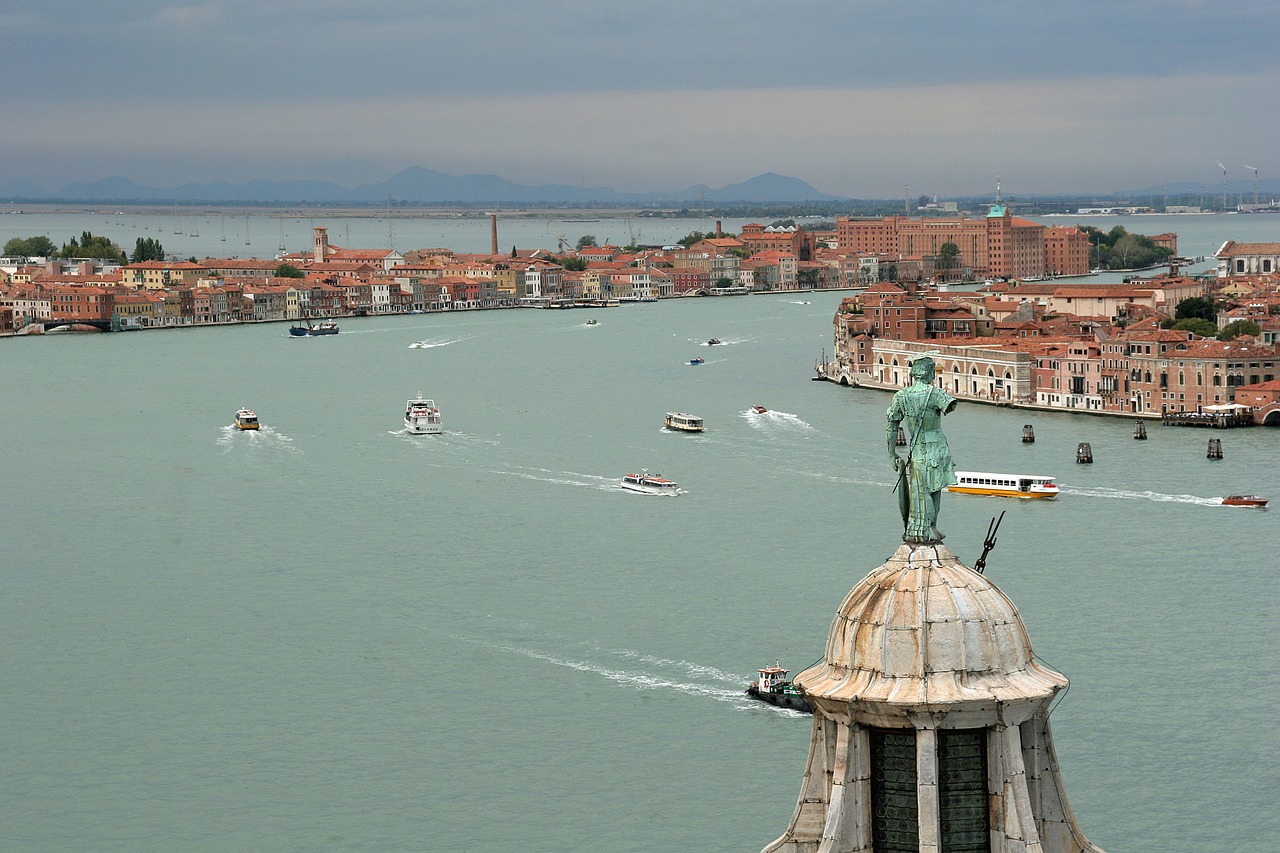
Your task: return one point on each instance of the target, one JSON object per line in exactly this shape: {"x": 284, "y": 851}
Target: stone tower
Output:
{"x": 930, "y": 722}
{"x": 320, "y": 244}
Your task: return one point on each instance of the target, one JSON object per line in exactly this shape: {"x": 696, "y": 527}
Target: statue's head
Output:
{"x": 922, "y": 368}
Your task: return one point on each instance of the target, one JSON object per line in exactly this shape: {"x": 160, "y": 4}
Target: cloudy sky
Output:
{"x": 857, "y": 97}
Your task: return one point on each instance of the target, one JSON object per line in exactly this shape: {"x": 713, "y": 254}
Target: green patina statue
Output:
{"x": 928, "y": 467}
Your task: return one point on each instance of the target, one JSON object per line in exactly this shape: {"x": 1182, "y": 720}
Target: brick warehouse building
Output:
{"x": 999, "y": 245}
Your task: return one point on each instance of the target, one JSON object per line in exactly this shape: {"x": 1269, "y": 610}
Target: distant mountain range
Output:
{"x": 416, "y": 185}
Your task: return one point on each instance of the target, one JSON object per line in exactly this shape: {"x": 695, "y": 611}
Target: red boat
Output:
{"x": 1244, "y": 500}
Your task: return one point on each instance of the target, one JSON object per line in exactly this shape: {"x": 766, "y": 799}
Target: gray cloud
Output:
{"x": 857, "y": 98}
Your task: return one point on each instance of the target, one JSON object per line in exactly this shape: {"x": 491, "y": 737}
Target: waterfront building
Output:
{"x": 999, "y": 245}
{"x": 787, "y": 239}
{"x": 322, "y": 252}
{"x": 1264, "y": 398}
{"x": 1070, "y": 363}
{"x": 771, "y": 270}
{"x": 1247, "y": 258}
{"x": 242, "y": 268}
{"x": 154, "y": 275}
{"x": 1160, "y": 293}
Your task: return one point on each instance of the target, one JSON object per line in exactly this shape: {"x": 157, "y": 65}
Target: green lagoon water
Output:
{"x": 330, "y": 635}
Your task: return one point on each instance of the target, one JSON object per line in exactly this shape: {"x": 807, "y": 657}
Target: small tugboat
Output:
{"x": 758, "y": 409}
{"x": 1244, "y": 500}
{"x": 682, "y": 422}
{"x": 422, "y": 417}
{"x": 713, "y": 341}
{"x": 697, "y": 360}
{"x": 246, "y": 419}
{"x": 773, "y": 687}
{"x": 650, "y": 484}
{"x": 312, "y": 329}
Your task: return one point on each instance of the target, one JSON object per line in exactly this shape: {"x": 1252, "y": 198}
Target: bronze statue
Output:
{"x": 928, "y": 467}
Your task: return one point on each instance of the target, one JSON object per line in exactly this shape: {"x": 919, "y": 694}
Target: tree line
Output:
{"x": 88, "y": 245}
{"x": 1117, "y": 249}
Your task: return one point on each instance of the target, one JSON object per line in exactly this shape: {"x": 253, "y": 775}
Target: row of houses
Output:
{"x": 336, "y": 281}
{"x": 1067, "y": 347}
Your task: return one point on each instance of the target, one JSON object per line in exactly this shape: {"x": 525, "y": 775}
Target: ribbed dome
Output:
{"x": 924, "y": 629}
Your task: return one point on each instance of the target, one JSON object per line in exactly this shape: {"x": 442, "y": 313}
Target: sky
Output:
{"x": 860, "y": 98}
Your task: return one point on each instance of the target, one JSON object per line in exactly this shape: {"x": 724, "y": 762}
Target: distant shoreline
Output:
{"x": 567, "y": 214}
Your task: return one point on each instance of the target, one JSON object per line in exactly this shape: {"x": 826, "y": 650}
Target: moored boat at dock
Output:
{"x": 1004, "y": 485}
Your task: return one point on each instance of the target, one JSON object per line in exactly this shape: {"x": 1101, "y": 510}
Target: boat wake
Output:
{"x": 440, "y": 342}
{"x": 633, "y": 670}
{"x": 1134, "y": 495}
{"x": 562, "y": 478}
{"x": 724, "y": 688}
{"x": 723, "y": 342}
{"x": 263, "y": 438}
{"x": 773, "y": 419}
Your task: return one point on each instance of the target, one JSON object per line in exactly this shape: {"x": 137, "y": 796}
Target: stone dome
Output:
{"x": 924, "y": 629}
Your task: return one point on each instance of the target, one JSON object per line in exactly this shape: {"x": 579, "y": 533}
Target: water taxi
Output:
{"x": 697, "y": 361}
{"x": 773, "y": 687}
{"x": 422, "y": 417}
{"x": 650, "y": 484}
{"x": 713, "y": 342}
{"x": 681, "y": 422}
{"x": 1244, "y": 500}
{"x": 246, "y": 419}
{"x": 1004, "y": 485}
{"x": 758, "y": 409}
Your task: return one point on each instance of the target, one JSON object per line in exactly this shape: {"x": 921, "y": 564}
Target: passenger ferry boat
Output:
{"x": 1004, "y": 485}
{"x": 773, "y": 687}
{"x": 246, "y": 419}
{"x": 650, "y": 484}
{"x": 682, "y": 422}
{"x": 422, "y": 417}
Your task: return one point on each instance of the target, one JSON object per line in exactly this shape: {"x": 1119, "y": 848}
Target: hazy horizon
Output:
{"x": 865, "y": 100}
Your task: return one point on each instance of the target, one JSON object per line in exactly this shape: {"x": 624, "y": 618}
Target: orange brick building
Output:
{"x": 999, "y": 245}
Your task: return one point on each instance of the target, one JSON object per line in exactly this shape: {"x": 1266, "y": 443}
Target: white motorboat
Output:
{"x": 422, "y": 417}
{"x": 650, "y": 484}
